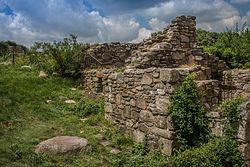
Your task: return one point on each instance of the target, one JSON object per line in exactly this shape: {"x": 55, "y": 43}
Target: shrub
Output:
{"x": 87, "y": 107}
{"x": 188, "y": 115}
{"x": 218, "y": 152}
{"x": 230, "y": 113}
{"x": 64, "y": 57}
{"x": 140, "y": 156}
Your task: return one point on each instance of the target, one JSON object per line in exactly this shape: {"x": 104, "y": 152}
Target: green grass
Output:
{"x": 26, "y": 119}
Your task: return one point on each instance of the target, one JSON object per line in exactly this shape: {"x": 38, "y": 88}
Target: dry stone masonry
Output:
{"x": 136, "y": 81}
{"x": 106, "y": 55}
{"x": 239, "y": 81}
{"x": 244, "y": 131}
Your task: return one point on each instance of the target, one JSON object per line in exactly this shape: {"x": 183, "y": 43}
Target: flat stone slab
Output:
{"x": 63, "y": 145}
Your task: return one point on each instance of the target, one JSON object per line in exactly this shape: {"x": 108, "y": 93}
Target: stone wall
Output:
{"x": 108, "y": 54}
{"x": 239, "y": 83}
{"x": 175, "y": 47}
{"x": 244, "y": 131}
{"x": 168, "y": 48}
{"x": 137, "y": 100}
{"x": 137, "y": 95}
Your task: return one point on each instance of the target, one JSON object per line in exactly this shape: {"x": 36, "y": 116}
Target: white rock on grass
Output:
{"x": 48, "y": 101}
{"x": 63, "y": 145}
{"x": 42, "y": 74}
{"x": 26, "y": 67}
{"x": 115, "y": 151}
{"x": 70, "y": 101}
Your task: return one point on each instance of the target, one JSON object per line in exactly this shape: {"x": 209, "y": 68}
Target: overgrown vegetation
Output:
{"x": 26, "y": 118}
{"x": 230, "y": 113}
{"x": 140, "y": 156}
{"x": 64, "y": 57}
{"x": 188, "y": 115}
{"x": 201, "y": 148}
{"x": 219, "y": 152}
{"x": 232, "y": 46}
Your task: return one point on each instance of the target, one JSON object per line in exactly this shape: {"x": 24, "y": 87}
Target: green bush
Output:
{"x": 64, "y": 57}
{"x": 87, "y": 107}
{"x": 218, "y": 152}
{"x": 140, "y": 156}
{"x": 230, "y": 113}
{"x": 188, "y": 115}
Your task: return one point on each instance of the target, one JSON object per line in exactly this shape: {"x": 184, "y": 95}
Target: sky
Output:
{"x": 98, "y": 21}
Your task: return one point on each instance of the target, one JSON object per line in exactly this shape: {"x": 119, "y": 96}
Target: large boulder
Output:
{"x": 63, "y": 145}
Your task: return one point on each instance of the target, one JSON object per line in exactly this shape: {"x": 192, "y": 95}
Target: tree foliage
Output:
{"x": 232, "y": 46}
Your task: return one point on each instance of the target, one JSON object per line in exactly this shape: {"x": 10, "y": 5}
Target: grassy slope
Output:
{"x": 26, "y": 119}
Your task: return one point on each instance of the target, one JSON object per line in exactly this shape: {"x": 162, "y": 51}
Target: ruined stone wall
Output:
{"x": 244, "y": 131}
{"x": 175, "y": 47}
{"x": 137, "y": 100}
{"x": 108, "y": 54}
{"x": 168, "y": 48}
{"x": 238, "y": 81}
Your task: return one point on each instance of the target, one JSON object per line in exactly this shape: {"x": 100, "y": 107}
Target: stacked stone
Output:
{"x": 212, "y": 62}
{"x": 175, "y": 47}
{"x": 160, "y": 55}
{"x": 180, "y": 34}
{"x": 94, "y": 81}
{"x": 239, "y": 81}
{"x": 209, "y": 91}
{"x": 137, "y": 100}
{"x": 168, "y": 48}
{"x": 109, "y": 54}
{"x": 243, "y": 135}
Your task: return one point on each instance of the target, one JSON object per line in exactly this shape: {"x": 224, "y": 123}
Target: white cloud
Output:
{"x": 118, "y": 29}
{"x": 208, "y": 12}
{"x": 220, "y": 25}
{"x": 143, "y": 34}
{"x": 240, "y": 1}
{"x": 246, "y": 19}
{"x": 60, "y": 19}
{"x": 49, "y": 20}
{"x": 157, "y": 24}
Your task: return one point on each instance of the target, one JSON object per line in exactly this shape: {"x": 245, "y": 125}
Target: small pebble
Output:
{"x": 70, "y": 101}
